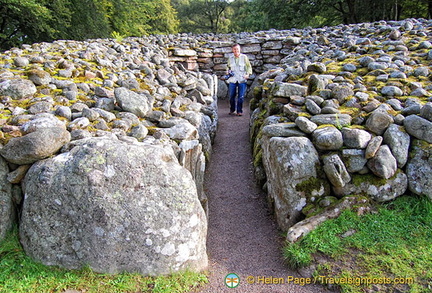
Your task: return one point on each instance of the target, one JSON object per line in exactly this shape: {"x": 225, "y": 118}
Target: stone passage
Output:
{"x": 243, "y": 237}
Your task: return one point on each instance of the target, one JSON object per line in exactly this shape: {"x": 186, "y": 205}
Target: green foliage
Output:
{"x": 203, "y": 16}
{"x": 117, "y": 36}
{"x": 20, "y": 274}
{"x": 140, "y": 17}
{"x": 25, "y": 21}
{"x": 394, "y": 242}
{"x": 87, "y": 20}
{"x": 30, "y": 21}
{"x": 266, "y": 14}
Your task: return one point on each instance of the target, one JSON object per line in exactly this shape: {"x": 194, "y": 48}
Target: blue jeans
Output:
{"x": 240, "y": 96}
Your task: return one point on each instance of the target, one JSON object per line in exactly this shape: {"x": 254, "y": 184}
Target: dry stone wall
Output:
{"x": 208, "y": 53}
{"x": 364, "y": 106}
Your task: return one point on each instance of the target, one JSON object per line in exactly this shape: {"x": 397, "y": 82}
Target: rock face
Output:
{"x": 17, "y": 88}
{"x": 383, "y": 164}
{"x": 378, "y": 189}
{"x": 138, "y": 104}
{"x": 83, "y": 207}
{"x": 419, "y": 127}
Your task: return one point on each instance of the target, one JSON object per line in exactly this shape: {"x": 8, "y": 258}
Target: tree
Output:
{"x": 246, "y": 16}
{"x": 88, "y": 20}
{"x": 266, "y": 14}
{"x": 140, "y": 17}
{"x": 25, "y": 21}
{"x": 29, "y": 21}
{"x": 200, "y": 16}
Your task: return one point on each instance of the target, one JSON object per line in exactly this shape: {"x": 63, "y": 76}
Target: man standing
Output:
{"x": 239, "y": 71}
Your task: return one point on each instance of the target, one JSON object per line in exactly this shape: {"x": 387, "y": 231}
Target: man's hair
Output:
{"x": 235, "y": 45}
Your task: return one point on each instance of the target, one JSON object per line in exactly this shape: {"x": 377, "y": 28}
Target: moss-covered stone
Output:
{"x": 371, "y": 179}
{"x": 314, "y": 187}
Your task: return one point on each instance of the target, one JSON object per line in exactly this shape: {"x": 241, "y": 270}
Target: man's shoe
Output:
{"x": 239, "y": 114}
{"x": 232, "y": 113}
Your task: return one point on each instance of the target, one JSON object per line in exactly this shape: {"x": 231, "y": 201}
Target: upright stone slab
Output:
{"x": 398, "y": 141}
{"x": 290, "y": 164}
{"x": 114, "y": 206}
{"x": 7, "y": 209}
{"x": 419, "y": 168}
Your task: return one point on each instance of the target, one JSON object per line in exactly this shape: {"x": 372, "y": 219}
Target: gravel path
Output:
{"x": 242, "y": 237}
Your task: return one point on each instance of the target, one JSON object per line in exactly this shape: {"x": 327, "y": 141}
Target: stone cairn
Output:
{"x": 102, "y": 139}
{"x": 104, "y": 146}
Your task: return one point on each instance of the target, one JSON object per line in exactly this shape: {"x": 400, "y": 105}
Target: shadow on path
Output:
{"x": 243, "y": 238}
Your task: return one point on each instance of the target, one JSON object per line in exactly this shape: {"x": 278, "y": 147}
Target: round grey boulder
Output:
{"x": 114, "y": 206}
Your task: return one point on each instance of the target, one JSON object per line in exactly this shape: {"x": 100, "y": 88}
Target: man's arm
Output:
{"x": 228, "y": 65}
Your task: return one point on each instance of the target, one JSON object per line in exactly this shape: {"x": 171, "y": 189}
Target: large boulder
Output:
{"x": 327, "y": 138}
{"x": 378, "y": 122}
{"x": 282, "y": 130}
{"x": 292, "y": 177}
{"x": 398, "y": 141}
{"x": 281, "y": 89}
{"x": 356, "y": 138}
{"x": 335, "y": 170}
{"x": 114, "y": 206}
{"x": 383, "y": 164}
{"x": 182, "y": 131}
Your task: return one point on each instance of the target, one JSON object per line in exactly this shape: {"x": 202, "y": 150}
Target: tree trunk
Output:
{"x": 352, "y": 15}
{"x": 430, "y": 9}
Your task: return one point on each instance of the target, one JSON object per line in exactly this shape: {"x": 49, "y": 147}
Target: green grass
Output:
{"x": 394, "y": 242}
{"x": 19, "y": 273}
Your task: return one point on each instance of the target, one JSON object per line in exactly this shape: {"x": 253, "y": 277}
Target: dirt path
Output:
{"x": 243, "y": 237}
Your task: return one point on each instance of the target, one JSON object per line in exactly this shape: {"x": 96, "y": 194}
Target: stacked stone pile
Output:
{"x": 104, "y": 147}
{"x": 348, "y": 114}
{"x": 269, "y": 49}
